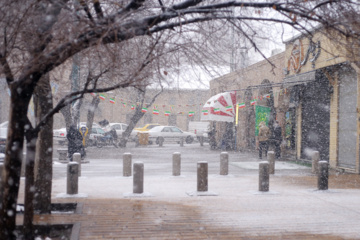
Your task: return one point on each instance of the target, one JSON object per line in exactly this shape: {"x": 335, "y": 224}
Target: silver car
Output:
{"x": 169, "y": 134}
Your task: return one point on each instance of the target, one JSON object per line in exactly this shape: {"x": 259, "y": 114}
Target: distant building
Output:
{"x": 172, "y": 107}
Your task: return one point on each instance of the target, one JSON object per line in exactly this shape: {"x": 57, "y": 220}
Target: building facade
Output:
{"x": 259, "y": 83}
{"x": 324, "y": 100}
{"x": 314, "y": 95}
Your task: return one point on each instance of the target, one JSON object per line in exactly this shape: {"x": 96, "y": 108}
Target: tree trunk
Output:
{"x": 12, "y": 163}
{"x": 66, "y": 112}
{"x": 75, "y": 113}
{"x": 137, "y": 116}
{"x": 90, "y": 115}
{"x": 28, "y": 228}
{"x": 43, "y": 162}
{"x": 133, "y": 121}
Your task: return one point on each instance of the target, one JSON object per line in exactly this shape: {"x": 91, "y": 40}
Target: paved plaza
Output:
{"x": 292, "y": 209}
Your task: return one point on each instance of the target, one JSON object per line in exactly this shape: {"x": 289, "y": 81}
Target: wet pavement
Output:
{"x": 292, "y": 209}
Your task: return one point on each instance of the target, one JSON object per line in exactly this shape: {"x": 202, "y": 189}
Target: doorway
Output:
{"x": 315, "y": 125}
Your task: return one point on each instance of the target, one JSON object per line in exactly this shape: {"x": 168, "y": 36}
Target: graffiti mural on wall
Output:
{"x": 262, "y": 114}
{"x": 298, "y": 58}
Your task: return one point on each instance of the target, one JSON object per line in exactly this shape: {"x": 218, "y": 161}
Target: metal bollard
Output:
{"x": 315, "y": 162}
{"x": 161, "y": 142}
{"x": 176, "y": 163}
{"x": 127, "y": 159}
{"x": 72, "y": 183}
{"x": 77, "y": 158}
{"x": 264, "y": 176}
{"x": 138, "y": 178}
{"x": 271, "y": 159}
{"x": 181, "y": 142}
{"x": 323, "y": 175}
{"x": 224, "y": 163}
{"x": 202, "y": 176}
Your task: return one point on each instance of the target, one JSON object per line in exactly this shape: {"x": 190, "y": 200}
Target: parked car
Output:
{"x": 60, "y": 135}
{"x": 200, "y": 129}
{"x": 93, "y": 125}
{"x": 169, "y": 134}
{"x": 119, "y": 128}
{"x": 96, "y": 132}
{"x": 3, "y": 136}
{"x": 147, "y": 127}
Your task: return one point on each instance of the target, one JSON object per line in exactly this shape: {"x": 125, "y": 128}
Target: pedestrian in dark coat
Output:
{"x": 263, "y": 137}
{"x": 277, "y": 139}
{"x": 75, "y": 144}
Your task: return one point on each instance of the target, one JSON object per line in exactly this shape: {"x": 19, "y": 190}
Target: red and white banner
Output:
{"x": 218, "y": 107}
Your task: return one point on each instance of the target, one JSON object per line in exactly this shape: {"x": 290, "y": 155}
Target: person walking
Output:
{"x": 263, "y": 136}
{"x": 277, "y": 139}
{"x": 75, "y": 144}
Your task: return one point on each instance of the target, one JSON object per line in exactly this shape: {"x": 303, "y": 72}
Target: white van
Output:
{"x": 199, "y": 128}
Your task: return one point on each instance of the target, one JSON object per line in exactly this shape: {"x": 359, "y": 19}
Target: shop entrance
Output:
{"x": 316, "y": 118}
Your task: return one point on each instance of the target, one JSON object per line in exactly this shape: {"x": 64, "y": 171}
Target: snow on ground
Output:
{"x": 287, "y": 208}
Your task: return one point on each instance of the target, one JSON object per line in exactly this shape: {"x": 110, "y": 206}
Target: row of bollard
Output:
{"x": 265, "y": 169}
{"x": 321, "y": 168}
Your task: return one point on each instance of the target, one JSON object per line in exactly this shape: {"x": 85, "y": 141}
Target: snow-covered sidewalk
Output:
{"x": 293, "y": 208}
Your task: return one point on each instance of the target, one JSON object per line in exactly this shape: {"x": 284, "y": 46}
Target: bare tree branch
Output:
{"x": 98, "y": 9}
{"x": 87, "y": 10}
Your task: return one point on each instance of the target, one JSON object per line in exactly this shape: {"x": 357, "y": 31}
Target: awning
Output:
{"x": 300, "y": 78}
{"x": 220, "y": 107}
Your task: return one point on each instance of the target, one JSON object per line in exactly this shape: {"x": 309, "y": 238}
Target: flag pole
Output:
{"x": 236, "y": 120}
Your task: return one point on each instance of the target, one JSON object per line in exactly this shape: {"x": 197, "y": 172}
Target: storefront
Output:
{"x": 258, "y": 88}
{"x": 322, "y": 102}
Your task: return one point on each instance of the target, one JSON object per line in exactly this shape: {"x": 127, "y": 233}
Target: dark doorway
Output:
{"x": 316, "y": 118}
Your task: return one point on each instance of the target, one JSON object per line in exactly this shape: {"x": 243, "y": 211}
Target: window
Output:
{"x": 99, "y": 130}
{"x": 175, "y": 129}
{"x": 116, "y": 127}
{"x": 166, "y": 129}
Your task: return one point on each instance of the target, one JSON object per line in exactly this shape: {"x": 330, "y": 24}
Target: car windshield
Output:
{"x": 99, "y": 130}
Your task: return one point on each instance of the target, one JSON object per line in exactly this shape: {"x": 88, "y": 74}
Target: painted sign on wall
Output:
{"x": 261, "y": 115}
